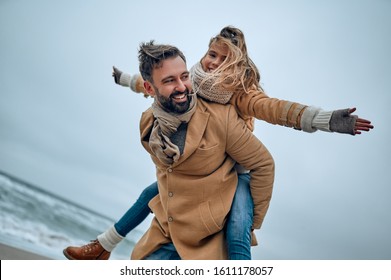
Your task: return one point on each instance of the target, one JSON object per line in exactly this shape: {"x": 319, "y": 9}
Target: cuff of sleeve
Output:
{"x": 307, "y": 119}
{"x": 322, "y": 121}
{"x": 124, "y": 80}
{"x": 240, "y": 169}
{"x": 134, "y": 83}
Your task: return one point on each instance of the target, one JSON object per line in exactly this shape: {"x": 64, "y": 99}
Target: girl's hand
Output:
{"x": 343, "y": 121}
{"x": 116, "y": 74}
{"x": 361, "y": 124}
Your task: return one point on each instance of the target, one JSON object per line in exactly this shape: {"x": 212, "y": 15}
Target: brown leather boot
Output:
{"x": 90, "y": 251}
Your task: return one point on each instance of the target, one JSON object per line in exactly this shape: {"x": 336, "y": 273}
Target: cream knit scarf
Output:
{"x": 204, "y": 86}
{"x": 165, "y": 125}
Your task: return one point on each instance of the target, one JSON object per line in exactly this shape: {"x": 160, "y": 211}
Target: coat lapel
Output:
{"x": 195, "y": 131}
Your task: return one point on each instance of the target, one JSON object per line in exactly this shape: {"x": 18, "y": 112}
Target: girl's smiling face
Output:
{"x": 215, "y": 56}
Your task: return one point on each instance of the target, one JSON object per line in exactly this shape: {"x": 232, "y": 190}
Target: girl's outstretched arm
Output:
{"x": 258, "y": 105}
{"x": 135, "y": 82}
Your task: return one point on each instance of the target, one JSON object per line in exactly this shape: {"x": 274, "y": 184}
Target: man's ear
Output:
{"x": 149, "y": 88}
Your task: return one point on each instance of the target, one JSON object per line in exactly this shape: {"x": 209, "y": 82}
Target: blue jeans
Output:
{"x": 138, "y": 212}
{"x": 165, "y": 252}
{"x": 238, "y": 226}
{"x": 240, "y": 220}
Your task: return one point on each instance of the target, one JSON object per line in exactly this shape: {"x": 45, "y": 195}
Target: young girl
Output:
{"x": 226, "y": 75}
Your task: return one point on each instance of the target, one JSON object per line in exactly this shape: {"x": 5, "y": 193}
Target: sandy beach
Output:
{"x": 11, "y": 253}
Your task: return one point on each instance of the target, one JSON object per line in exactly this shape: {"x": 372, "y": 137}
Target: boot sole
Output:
{"x": 66, "y": 255}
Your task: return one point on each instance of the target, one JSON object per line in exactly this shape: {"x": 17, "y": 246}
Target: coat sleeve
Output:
{"x": 272, "y": 110}
{"x": 134, "y": 82}
{"x": 248, "y": 151}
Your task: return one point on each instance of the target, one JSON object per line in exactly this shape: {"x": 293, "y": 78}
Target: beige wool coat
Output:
{"x": 255, "y": 104}
{"x": 196, "y": 193}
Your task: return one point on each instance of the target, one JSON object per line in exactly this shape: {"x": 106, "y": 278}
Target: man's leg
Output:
{"x": 240, "y": 219}
{"x": 166, "y": 252}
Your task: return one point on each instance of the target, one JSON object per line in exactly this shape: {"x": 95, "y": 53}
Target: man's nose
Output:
{"x": 180, "y": 86}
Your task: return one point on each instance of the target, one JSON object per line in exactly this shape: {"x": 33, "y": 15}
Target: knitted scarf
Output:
{"x": 165, "y": 125}
{"x": 204, "y": 86}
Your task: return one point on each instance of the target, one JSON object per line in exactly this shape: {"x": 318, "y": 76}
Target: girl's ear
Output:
{"x": 149, "y": 88}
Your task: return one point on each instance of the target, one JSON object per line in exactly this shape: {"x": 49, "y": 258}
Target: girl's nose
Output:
{"x": 216, "y": 63}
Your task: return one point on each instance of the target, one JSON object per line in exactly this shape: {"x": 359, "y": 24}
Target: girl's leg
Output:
{"x": 138, "y": 212}
{"x": 106, "y": 242}
{"x": 240, "y": 219}
{"x": 132, "y": 218}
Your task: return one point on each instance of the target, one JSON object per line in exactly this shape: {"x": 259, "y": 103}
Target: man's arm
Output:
{"x": 249, "y": 152}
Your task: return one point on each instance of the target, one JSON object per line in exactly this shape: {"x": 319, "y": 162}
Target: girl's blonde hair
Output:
{"x": 238, "y": 72}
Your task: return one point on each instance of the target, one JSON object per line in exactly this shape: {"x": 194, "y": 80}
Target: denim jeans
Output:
{"x": 238, "y": 226}
{"x": 165, "y": 252}
{"x": 240, "y": 220}
{"x": 138, "y": 212}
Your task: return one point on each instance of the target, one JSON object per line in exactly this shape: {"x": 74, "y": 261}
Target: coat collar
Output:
{"x": 195, "y": 130}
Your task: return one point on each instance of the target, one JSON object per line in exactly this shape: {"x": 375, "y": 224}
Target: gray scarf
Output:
{"x": 204, "y": 86}
{"x": 165, "y": 125}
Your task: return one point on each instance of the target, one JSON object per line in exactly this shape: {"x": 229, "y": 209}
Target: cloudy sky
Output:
{"x": 66, "y": 127}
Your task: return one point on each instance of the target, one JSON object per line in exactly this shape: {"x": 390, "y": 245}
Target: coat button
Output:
{"x": 170, "y": 194}
{"x": 170, "y": 219}
{"x": 169, "y": 170}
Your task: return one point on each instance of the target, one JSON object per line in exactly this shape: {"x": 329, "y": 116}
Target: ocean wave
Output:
{"x": 33, "y": 219}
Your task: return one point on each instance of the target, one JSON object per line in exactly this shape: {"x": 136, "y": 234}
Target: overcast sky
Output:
{"x": 66, "y": 127}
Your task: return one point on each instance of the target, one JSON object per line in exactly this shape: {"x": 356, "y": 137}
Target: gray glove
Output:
{"x": 343, "y": 122}
{"x": 117, "y": 75}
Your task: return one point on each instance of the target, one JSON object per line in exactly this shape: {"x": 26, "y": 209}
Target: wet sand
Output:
{"x": 11, "y": 253}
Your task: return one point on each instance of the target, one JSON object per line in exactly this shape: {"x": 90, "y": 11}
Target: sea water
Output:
{"x": 38, "y": 221}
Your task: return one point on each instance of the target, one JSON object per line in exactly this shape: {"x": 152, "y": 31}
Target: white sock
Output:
{"x": 110, "y": 238}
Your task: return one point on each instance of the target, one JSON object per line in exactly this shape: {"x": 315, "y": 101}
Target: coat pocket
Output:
{"x": 208, "y": 220}
{"x": 205, "y": 160}
{"x": 208, "y": 151}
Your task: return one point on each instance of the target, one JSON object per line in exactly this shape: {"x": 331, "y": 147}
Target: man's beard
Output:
{"x": 170, "y": 105}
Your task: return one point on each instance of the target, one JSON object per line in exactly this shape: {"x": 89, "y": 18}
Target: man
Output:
{"x": 194, "y": 145}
